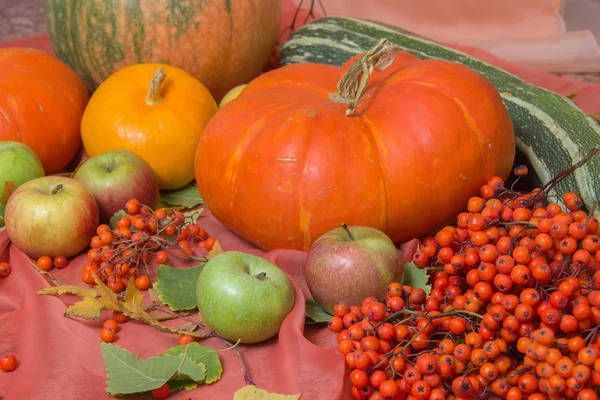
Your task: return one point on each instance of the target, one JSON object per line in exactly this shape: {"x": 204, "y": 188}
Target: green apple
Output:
{"x": 243, "y": 297}
{"x": 18, "y": 164}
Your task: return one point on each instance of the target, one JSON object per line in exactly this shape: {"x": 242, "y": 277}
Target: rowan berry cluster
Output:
{"x": 513, "y": 309}
{"x": 117, "y": 255}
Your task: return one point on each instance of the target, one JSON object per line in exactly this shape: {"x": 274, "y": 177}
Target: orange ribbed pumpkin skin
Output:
{"x": 282, "y": 163}
{"x": 41, "y": 104}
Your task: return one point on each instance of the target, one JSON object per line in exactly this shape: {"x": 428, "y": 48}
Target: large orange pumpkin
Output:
{"x": 222, "y": 43}
{"x": 41, "y": 104}
{"x": 283, "y": 163}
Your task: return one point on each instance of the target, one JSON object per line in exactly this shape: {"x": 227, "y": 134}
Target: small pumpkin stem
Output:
{"x": 153, "y": 97}
{"x": 354, "y": 82}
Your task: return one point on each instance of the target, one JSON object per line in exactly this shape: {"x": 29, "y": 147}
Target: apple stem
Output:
{"x": 57, "y": 189}
{"x": 261, "y": 275}
{"x": 348, "y": 231}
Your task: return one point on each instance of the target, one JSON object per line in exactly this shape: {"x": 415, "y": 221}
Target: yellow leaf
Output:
{"x": 133, "y": 295}
{"x": 88, "y": 308}
{"x": 133, "y": 306}
{"x": 107, "y": 296}
{"x": 217, "y": 249}
{"x": 95, "y": 300}
{"x": 9, "y": 188}
{"x": 251, "y": 392}
{"x": 70, "y": 289}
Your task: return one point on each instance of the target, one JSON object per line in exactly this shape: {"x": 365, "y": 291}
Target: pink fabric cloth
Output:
{"x": 532, "y": 33}
{"x": 59, "y": 358}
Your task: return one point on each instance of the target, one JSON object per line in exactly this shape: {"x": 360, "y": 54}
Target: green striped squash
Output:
{"x": 552, "y": 132}
{"x": 223, "y": 43}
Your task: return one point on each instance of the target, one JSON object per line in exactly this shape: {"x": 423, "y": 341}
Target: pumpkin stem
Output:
{"x": 348, "y": 231}
{"x": 354, "y": 82}
{"x": 153, "y": 97}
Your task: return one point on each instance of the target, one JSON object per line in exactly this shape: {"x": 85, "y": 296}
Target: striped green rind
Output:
{"x": 551, "y": 130}
{"x": 85, "y": 37}
{"x": 89, "y": 36}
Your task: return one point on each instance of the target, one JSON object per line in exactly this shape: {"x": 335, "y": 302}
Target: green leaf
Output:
{"x": 415, "y": 276}
{"x": 205, "y": 355}
{"x": 184, "y": 198}
{"x": 316, "y": 313}
{"x": 176, "y": 287}
{"x": 115, "y": 218}
{"x": 192, "y": 215}
{"x": 187, "y": 384}
{"x": 127, "y": 373}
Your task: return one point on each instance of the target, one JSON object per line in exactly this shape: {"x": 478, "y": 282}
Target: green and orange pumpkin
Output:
{"x": 282, "y": 163}
{"x": 223, "y": 43}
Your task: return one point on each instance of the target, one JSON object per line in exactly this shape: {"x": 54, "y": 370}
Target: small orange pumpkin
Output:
{"x": 41, "y": 104}
{"x": 154, "y": 110}
{"x": 282, "y": 163}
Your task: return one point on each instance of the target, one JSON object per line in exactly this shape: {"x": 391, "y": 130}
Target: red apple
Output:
{"x": 116, "y": 176}
{"x": 51, "y": 216}
{"x": 351, "y": 263}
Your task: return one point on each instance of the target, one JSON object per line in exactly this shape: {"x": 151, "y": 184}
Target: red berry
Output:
{"x": 4, "y": 270}
{"x": 185, "y": 339}
{"x": 8, "y": 362}
{"x": 162, "y": 392}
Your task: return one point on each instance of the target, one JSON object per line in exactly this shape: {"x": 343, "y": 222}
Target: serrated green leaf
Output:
{"x": 193, "y": 215}
{"x": 176, "y": 287}
{"x": 205, "y": 355}
{"x": 187, "y": 384}
{"x": 127, "y": 373}
{"x": 316, "y": 313}
{"x": 115, "y": 218}
{"x": 415, "y": 277}
{"x": 184, "y": 198}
